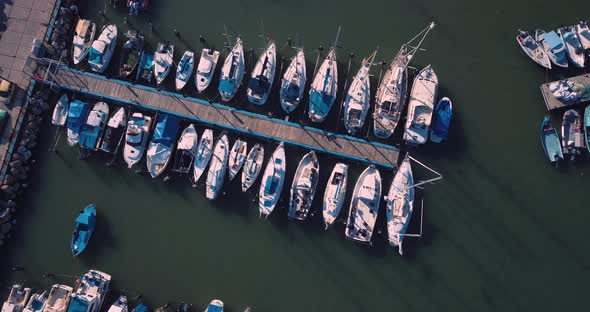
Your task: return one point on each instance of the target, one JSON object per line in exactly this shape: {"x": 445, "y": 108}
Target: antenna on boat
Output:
{"x": 227, "y": 37}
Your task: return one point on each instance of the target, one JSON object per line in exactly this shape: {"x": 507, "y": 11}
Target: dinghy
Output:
{"x": 102, "y": 49}
{"x": 574, "y": 49}
{"x": 60, "y": 112}
{"x": 272, "y": 182}
{"x": 237, "y": 157}
{"x": 184, "y": 69}
{"x": 17, "y": 299}
{"x": 293, "y": 82}
{"x": 136, "y": 136}
{"x": 553, "y": 46}
{"x": 583, "y": 34}
{"x": 263, "y": 75}
{"x": 130, "y": 54}
{"x": 364, "y": 206}
{"x": 334, "y": 194}
{"x": 443, "y": 113}
{"x": 324, "y": 86}
{"x": 114, "y": 132}
{"x": 550, "y": 141}
{"x": 232, "y": 72}
{"x": 532, "y": 49}
{"x": 304, "y": 186}
{"x": 215, "y": 306}
{"x": 217, "y": 168}
{"x": 146, "y": 66}
{"x": 252, "y": 166}
{"x": 572, "y": 138}
{"x": 587, "y": 126}
{"x": 162, "y": 144}
{"x": 399, "y": 204}
{"x": 58, "y": 299}
{"x": 36, "y": 303}
{"x": 89, "y": 295}
{"x": 206, "y": 69}
{"x": 358, "y": 97}
{"x": 76, "y": 117}
{"x": 92, "y": 129}
{"x": 186, "y": 150}
{"x": 83, "y": 38}
{"x": 163, "y": 61}
{"x": 84, "y": 228}
{"x": 204, "y": 152}
{"x": 420, "y": 107}
{"x": 120, "y": 305}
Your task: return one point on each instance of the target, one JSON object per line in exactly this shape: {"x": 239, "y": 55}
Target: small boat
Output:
{"x": 102, "y": 49}
{"x": 420, "y": 107}
{"x": 572, "y": 138}
{"x": 131, "y": 53}
{"x": 92, "y": 288}
{"x": 84, "y": 228}
{"x": 583, "y": 34}
{"x": 146, "y": 66}
{"x": 215, "y": 306}
{"x": 162, "y": 144}
{"x": 574, "y": 49}
{"x": 60, "y": 112}
{"x": 237, "y": 157}
{"x": 358, "y": 97}
{"x": 114, "y": 131}
{"x": 184, "y": 307}
{"x": 58, "y": 299}
{"x": 252, "y": 166}
{"x": 399, "y": 204}
{"x": 334, "y": 194}
{"x": 186, "y": 150}
{"x": 36, "y": 303}
{"x": 83, "y": 38}
{"x": 587, "y": 126}
{"x": 142, "y": 307}
{"x": 272, "y": 182}
{"x": 120, "y": 305}
{"x": 533, "y": 49}
{"x": 17, "y": 299}
{"x": 136, "y": 136}
{"x": 364, "y": 206}
{"x": 184, "y": 69}
{"x": 204, "y": 152}
{"x": 553, "y": 46}
{"x": 217, "y": 168}
{"x": 324, "y": 86}
{"x": 304, "y": 186}
{"x": 206, "y": 69}
{"x": 232, "y": 71}
{"x": 550, "y": 141}
{"x": 293, "y": 82}
{"x": 263, "y": 75}
{"x": 76, "y": 118}
{"x": 94, "y": 126}
{"x": 136, "y": 5}
{"x": 163, "y": 61}
{"x": 443, "y": 113}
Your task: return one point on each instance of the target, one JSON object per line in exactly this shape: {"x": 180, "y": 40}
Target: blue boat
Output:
{"x": 443, "y": 113}
{"x": 324, "y": 86}
{"x": 146, "y": 65}
{"x": 587, "y": 126}
{"x": 76, "y": 118}
{"x": 162, "y": 144}
{"x": 141, "y": 308}
{"x": 92, "y": 129}
{"x": 84, "y": 227}
{"x": 550, "y": 141}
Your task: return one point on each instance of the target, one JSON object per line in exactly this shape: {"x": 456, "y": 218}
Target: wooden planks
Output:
{"x": 551, "y": 102}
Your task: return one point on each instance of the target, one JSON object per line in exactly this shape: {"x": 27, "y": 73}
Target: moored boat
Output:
{"x": 137, "y": 5}
{"x": 293, "y": 82}
{"x": 146, "y": 66}
{"x": 272, "y": 182}
{"x": 83, "y": 230}
{"x": 358, "y": 97}
{"x": 364, "y": 206}
{"x": 335, "y": 194}
{"x": 204, "y": 152}
{"x": 574, "y": 49}
{"x": 252, "y": 166}
{"x": 77, "y": 114}
{"x": 142, "y": 307}
{"x": 532, "y": 49}
{"x": 136, "y": 137}
{"x": 114, "y": 131}
{"x": 324, "y": 86}
{"x": 399, "y": 204}
{"x": 216, "y": 305}
{"x": 553, "y": 45}
{"x": 60, "y": 111}
{"x": 162, "y": 144}
{"x": 94, "y": 126}
{"x": 186, "y": 150}
{"x": 89, "y": 296}
{"x": 130, "y": 53}
{"x": 550, "y": 141}
{"x": 58, "y": 298}
{"x": 304, "y": 186}
{"x": 237, "y": 157}
{"x": 17, "y": 299}
{"x": 184, "y": 69}
{"x": 443, "y": 113}
{"x": 587, "y": 126}
{"x": 232, "y": 71}
{"x": 572, "y": 139}
{"x": 120, "y": 305}
{"x": 206, "y": 69}
{"x": 420, "y": 107}
{"x": 163, "y": 61}
{"x": 263, "y": 74}
{"x": 583, "y": 34}
{"x": 217, "y": 168}
{"x": 83, "y": 38}
{"x": 102, "y": 49}
{"x": 36, "y": 303}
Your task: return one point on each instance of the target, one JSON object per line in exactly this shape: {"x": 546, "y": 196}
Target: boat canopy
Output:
{"x": 141, "y": 308}
{"x": 166, "y": 129}
{"x": 552, "y": 38}
{"x": 214, "y": 308}
{"x": 77, "y": 114}
{"x": 259, "y": 85}
{"x": 95, "y": 56}
{"x": 78, "y": 305}
{"x": 320, "y": 102}
{"x": 443, "y": 120}
{"x": 291, "y": 92}
{"x": 227, "y": 85}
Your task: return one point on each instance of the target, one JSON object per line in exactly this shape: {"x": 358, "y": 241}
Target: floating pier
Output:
{"x": 553, "y": 103}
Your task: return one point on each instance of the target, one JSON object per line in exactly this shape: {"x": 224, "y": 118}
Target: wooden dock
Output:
{"x": 552, "y": 103}
{"x": 222, "y": 116}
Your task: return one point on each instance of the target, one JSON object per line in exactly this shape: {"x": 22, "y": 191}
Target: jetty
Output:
{"x": 553, "y": 103}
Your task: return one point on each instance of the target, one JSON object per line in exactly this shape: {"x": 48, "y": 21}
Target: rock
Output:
{"x": 16, "y": 163}
{"x": 17, "y": 156}
{"x": 24, "y": 185}
{"x": 8, "y": 178}
{"x": 31, "y": 145}
{"x": 10, "y": 203}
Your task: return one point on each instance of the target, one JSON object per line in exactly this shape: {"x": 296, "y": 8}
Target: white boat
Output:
{"x": 263, "y": 75}
{"x": 206, "y": 69}
{"x": 186, "y": 150}
{"x": 216, "y": 305}
{"x": 58, "y": 299}
{"x": 60, "y": 112}
{"x": 583, "y": 34}
{"x": 163, "y": 61}
{"x": 184, "y": 69}
{"x": 272, "y": 182}
{"x": 232, "y": 71}
{"x": 83, "y": 38}
{"x": 399, "y": 204}
{"x": 162, "y": 144}
{"x": 553, "y": 46}
{"x": 17, "y": 299}
{"x": 421, "y": 106}
{"x": 237, "y": 157}
{"x": 217, "y": 168}
{"x": 358, "y": 97}
{"x": 136, "y": 137}
{"x": 293, "y": 82}
{"x": 252, "y": 166}
{"x": 120, "y": 305}
{"x": 114, "y": 131}
{"x": 574, "y": 49}
{"x": 335, "y": 194}
{"x": 102, "y": 49}
{"x": 532, "y": 49}
{"x": 90, "y": 293}
{"x": 324, "y": 86}
{"x": 204, "y": 152}
{"x": 304, "y": 186}
{"x": 36, "y": 303}
{"x": 364, "y": 206}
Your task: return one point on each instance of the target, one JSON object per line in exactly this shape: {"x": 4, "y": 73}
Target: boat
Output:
{"x": 142, "y": 307}
{"x": 358, "y": 97}
{"x": 76, "y": 117}
{"x": 136, "y": 136}
{"x": 204, "y": 152}
{"x": 364, "y": 206}
{"x": 92, "y": 129}
{"x": 36, "y": 303}
{"x": 17, "y": 299}
{"x": 92, "y": 288}
{"x": 263, "y": 75}
{"x": 163, "y": 61}
{"x": 399, "y": 204}
{"x": 102, "y": 49}
{"x": 252, "y": 166}
{"x": 553, "y": 47}
{"x": 324, "y": 86}
{"x": 136, "y": 5}
{"x": 131, "y": 53}
{"x": 83, "y": 38}
{"x": 184, "y": 307}
{"x": 572, "y": 139}
{"x": 60, "y": 112}
{"x": 184, "y": 69}
{"x": 120, "y": 305}
{"x": 293, "y": 82}
{"x": 58, "y": 299}
{"x": 550, "y": 141}
{"x": 420, "y": 107}
{"x": 574, "y": 49}
{"x": 215, "y": 305}
{"x": 114, "y": 131}
{"x": 443, "y": 113}
{"x": 232, "y": 71}
{"x": 272, "y": 182}
{"x": 217, "y": 168}
{"x": 206, "y": 69}
{"x": 304, "y": 186}
{"x": 532, "y": 49}
{"x": 162, "y": 144}
{"x": 583, "y": 34}
{"x": 146, "y": 66}
{"x": 335, "y": 194}
{"x": 237, "y": 157}
{"x": 186, "y": 150}
{"x": 84, "y": 228}
{"x": 587, "y": 126}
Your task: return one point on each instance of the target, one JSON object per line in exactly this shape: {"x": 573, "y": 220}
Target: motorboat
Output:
{"x": 232, "y": 71}
{"x": 573, "y": 47}
{"x": 217, "y": 168}
{"x": 583, "y": 34}
{"x": 77, "y": 114}
{"x": 293, "y": 82}
{"x": 572, "y": 137}
{"x": 324, "y": 86}
{"x": 364, "y": 206}
{"x": 204, "y": 152}
{"x": 237, "y": 157}
{"x": 263, "y": 74}
{"x": 184, "y": 69}
{"x": 304, "y": 186}
{"x": 114, "y": 132}
{"x": 335, "y": 194}
{"x": 553, "y": 45}
{"x": 120, "y": 305}
{"x": 586, "y": 126}
{"x": 17, "y": 299}
{"x": 550, "y": 141}
{"x": 83, "y": 38}
{"x": 58, "y": 299}
{"x": 252, "y": 166}
{"x": 94, "y": 126}
{"x": 136, "y": 137}
{"x": 186, "y": 150}
{"x": 399, "y": 204}
{"x": 60, "y": 111}
{"x": 358, "y": 97}
{"x": 102, "y": 49}
{"x": 272, "y": 183}
{"x": 421, "y": 107}
{"x": 146, "y": 66}
{"x": 206, "y": 69}
{"x": 83, "y": 230}
{"x": 36, "y": 303}
{"x": 162, "y": 144}
{"x": 215, "y": 306}
{"x": 163, "y": 61}
{"x": 89, "y": 296}
{"x": 443, "y": 113}
{"x": 532, "y": 49}
{"x": 130, "y": 54}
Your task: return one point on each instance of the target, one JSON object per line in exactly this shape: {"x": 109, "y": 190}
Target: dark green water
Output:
{"x": 504, "y": 231}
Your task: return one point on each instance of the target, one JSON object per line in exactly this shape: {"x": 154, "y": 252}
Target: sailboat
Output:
{"x": 272, "y": 182}
{"x": 162, "y": 144}
{"x": 186, "y": 150}
{"x": 163, "y": 61}
{"x": 184, "y": 69}
{"x": 60, "y": 112}
{"x": 583, "y": 34}
{"x": 263, "y": 75}
{"x": 364, "y": 206}
{"x": 217, "y": 168}
{"x": 252, "y": 166}
{"x": 84, "y": 228}
{"x": 237, "y": 157}
{"x": 114, "y": 131}
{"x": 572, "y": 138}
{"x": 443, "y": 113}
{"x": 358, "y": 97}
{"x": 304, "y": 186}
{"x": 334, "y": 194}
{"x": 83, "y": 38}
{"x": 324, "y": 86}
{"x": 89, "y": 296}
{"x": 574, "y": 49}
{"x": 102, "y": 49}
{"x": 136, "y": 136}
{"x": 17, "y": 299}
{"x": 232, "y": 71}
{"x": 206, "y": 69}
{"x": 399, "y": 204}
{"x": 293, "y": 82}
{"x": 204, "y": 152}
{"x": 120, "y": 305}
{"x": 76, "y": 117}
{"x": 553, "y": 45}
{"x": 550, "y": 141}
{"x": 59, "y": 297}
{"x": 94, "y": 126}
{"x": 532, "y": 49}
{"x": 130, "y": 54}
{"x": 420, "y": 107}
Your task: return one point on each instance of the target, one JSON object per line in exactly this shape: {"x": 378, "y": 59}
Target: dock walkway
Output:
{"x": 552, "y": 103}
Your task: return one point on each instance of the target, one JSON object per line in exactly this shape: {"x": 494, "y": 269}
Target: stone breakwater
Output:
{"x": 63, "y": 30}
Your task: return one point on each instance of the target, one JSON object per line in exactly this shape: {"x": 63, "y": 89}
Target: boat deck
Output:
{"x": 552, "y": 103}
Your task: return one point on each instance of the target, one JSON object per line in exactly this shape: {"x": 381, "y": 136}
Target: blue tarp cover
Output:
{"x": 77, "y": 115}
{"x": 141, "y": 308}
{"x": 78, "y": 305}
{"x": 553, "y": 39}
{"x": 443, "y": 119}
{"x": 227, "y": 85}
{"x": 214, "y": 308}
{"x": 95, "y": 56}
{"x": 166, "y": 129}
